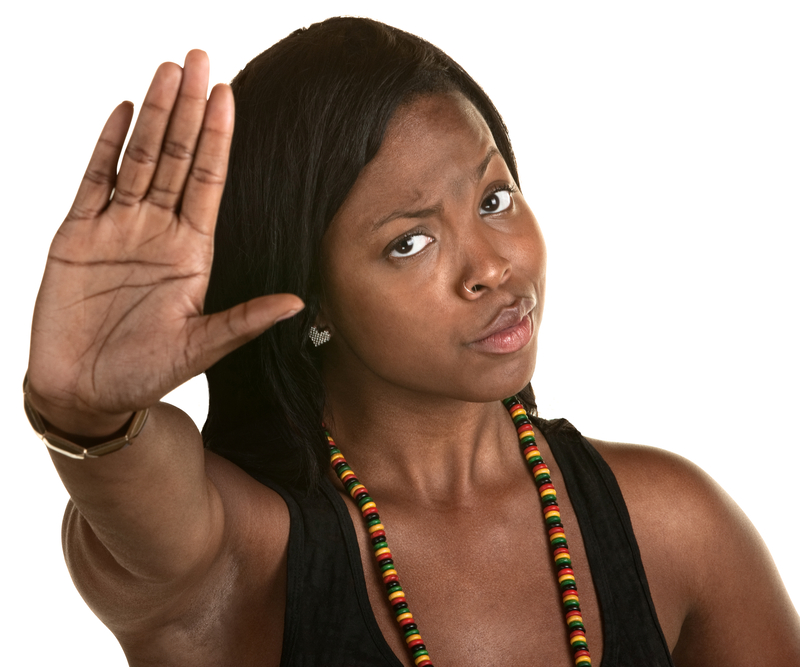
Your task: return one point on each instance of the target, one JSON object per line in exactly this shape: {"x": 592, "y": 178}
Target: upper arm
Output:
{"x": 715, "y": 586}
{"x": 163, "y": 530}
{"x": 140, "y": 521}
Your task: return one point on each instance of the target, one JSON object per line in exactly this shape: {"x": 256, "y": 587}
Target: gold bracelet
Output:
{"x": 72, "y": 449}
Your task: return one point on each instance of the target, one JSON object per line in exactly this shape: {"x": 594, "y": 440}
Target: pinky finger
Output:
{"x": 101, "y": 174}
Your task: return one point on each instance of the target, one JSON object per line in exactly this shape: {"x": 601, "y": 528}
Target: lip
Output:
{"x": 509, "y": 331}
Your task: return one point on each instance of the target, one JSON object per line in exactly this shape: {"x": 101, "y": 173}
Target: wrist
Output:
{"x": 67, "y": 416}
{"x": 93, "y": 437}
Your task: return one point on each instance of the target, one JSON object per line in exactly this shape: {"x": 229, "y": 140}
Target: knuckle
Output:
{"x": 153, "y": 107}
{"x": 236, "y": 322}
{"x": 216, "y": 136}
{"x": 107, "y": 143}
{"x": 163, "y": 196}
{"x": 79, "y": 212}
{"x": 206, "y": 176}
{"x": 99, "y": 177}
{"x": 177, "y": 150}
{"x": 125, "y": 197}
{"x": 140, "y": 155}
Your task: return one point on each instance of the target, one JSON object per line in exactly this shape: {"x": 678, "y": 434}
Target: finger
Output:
{"x": 141, "y": 155}
{"x": 98, "y": 181}
{"x": 221, "y": 333}
{"x": 207, "y": 177}
{"x": 177, "y": 151}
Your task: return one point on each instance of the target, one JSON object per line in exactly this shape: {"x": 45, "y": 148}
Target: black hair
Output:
{"x": 311, "y": 112}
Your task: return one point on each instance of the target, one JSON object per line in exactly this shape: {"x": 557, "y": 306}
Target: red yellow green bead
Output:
{"x": 555, "y": 530}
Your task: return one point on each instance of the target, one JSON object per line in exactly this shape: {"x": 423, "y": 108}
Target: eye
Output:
{"x": 410, "y": 245}
{"x": 498, "y": 201}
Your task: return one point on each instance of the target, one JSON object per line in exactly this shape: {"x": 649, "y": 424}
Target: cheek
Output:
{"x": 394, "y": 325}
{"x": 531, "y": 254}
{"x": 378, "y": 314}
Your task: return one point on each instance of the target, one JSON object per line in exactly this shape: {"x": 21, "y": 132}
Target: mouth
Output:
{"x": 509, "y": 331}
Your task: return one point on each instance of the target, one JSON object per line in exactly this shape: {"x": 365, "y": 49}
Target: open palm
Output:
{"x": 118, "y": 321}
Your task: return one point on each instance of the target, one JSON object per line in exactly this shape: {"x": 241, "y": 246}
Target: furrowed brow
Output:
{"x": 483, "y": 166}
{"x": 419, "y": 213}
{"x": 477, "y": 175}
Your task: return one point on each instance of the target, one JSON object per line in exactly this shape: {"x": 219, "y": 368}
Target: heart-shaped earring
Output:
{"x": 319, "y": 336}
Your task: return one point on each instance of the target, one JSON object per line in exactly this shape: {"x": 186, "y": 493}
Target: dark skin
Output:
{"x": 183, "y": 555}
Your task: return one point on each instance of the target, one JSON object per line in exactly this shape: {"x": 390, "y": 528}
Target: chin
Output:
{"x": 496, "y": 383}
{"x": 489, "y": 390}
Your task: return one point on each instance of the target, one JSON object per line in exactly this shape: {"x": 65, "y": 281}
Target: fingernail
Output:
{"x": 288, "y": 314}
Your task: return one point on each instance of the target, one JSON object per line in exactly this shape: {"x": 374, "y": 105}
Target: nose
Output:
{"x": 485, "y": 266}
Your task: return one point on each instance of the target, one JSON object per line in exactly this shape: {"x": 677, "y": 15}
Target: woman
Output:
{"x": 370, "y": 176}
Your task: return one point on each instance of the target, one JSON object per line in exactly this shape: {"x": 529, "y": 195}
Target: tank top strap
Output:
{"x": 329, "y": 620}
{"x": 632, "y": 633}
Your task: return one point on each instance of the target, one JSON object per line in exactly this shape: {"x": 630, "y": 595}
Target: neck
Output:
{"x": 434, "y": 448}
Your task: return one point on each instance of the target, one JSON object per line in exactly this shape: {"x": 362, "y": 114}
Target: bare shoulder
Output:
{"x": 659, "y": 484}
{"x": 714, "y": 584}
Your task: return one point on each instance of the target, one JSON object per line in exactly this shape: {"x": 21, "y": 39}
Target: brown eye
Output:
{"x": 410, "y": 245}
{"x": 498, "y": 201}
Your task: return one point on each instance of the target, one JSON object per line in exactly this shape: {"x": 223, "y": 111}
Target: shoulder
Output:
{"x": 681, "y": 516}
{"x": 659, "y": 483}
{"x": 711, "y": 576}
{"x": 677, "y": 505}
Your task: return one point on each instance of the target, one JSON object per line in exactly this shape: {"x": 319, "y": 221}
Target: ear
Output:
{"x": 321, "y": 321}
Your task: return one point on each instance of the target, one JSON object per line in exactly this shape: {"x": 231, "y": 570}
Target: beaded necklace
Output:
{"x": 552, "y": 519}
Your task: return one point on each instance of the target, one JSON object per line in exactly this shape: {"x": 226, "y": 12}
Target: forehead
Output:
{"x": 432, "y": 145}
{"x": 438, "y": 118}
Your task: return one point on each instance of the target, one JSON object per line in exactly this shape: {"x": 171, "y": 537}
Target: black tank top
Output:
{"x": 329, "y": 620}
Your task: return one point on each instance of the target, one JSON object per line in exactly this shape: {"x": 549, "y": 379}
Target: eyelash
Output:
{"x": 502, "y": 187}
{"x": 510, "y": 188}
{"x": 404, "y": 238}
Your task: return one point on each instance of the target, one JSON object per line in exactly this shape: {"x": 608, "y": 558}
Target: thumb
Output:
{"x": 221, "y": 333}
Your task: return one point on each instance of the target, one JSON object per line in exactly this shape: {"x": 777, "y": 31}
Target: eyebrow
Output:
{"x": 483, "y": 166}
{"x": 477, "y": 175}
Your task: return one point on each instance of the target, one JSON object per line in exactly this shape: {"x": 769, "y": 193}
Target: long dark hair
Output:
{"x": 311, "y": 112}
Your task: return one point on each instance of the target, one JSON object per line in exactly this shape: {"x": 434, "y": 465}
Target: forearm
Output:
{"x": 150, "y": 505}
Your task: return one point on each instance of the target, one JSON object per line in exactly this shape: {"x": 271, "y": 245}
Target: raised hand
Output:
{"x": 118, "y": 321}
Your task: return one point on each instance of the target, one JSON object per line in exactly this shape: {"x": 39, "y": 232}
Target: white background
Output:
{"x": 658, "y": 145}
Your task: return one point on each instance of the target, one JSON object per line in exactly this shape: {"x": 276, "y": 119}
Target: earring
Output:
{"x": 319, "y": 336}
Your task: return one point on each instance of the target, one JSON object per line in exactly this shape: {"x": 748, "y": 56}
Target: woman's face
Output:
{"x": 434, "y": 266}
